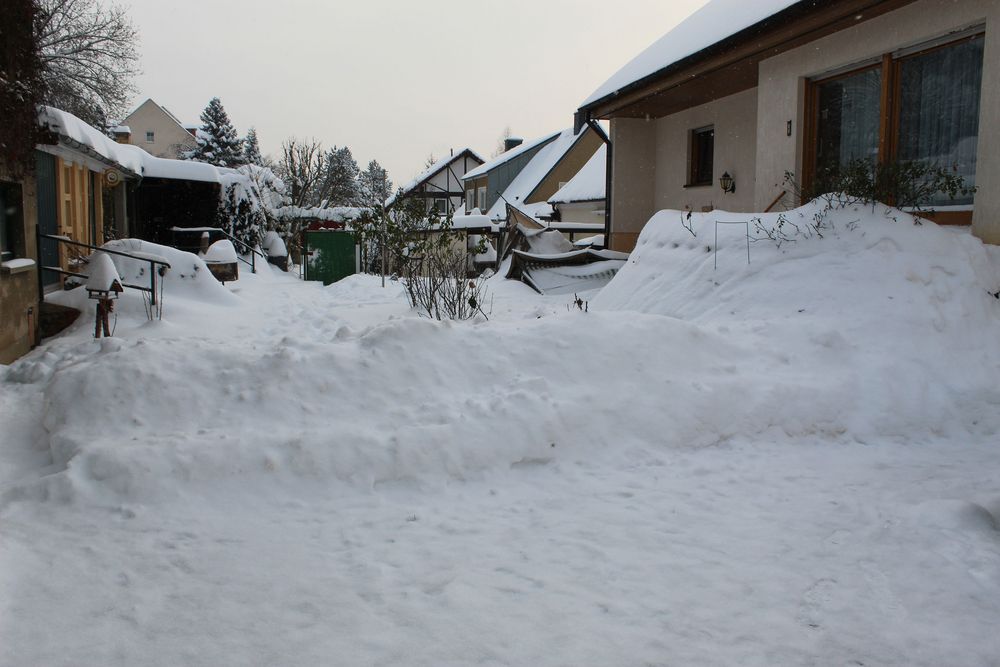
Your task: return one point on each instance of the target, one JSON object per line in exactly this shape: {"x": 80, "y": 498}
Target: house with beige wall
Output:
{"x": 582, "y": 199}
{"x": 526, "y": 175}
{"x": 753, "y": 91}
{"x": 157, "y": 131}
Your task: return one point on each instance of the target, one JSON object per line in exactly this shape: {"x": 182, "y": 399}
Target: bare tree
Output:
{"x": 302, "y": 167}
{"x": 21, "y": 85}
{"x": 89, "y": 57}
{"x": 502, "y": 141}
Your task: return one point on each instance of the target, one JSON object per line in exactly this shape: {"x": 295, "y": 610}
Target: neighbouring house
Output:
{"x": 19, "y": 300}
{"x": 157, "y": 131}
{"x": 91, "y": 189}
{"x": 528, "y": 174}
{"x": 440, "y": 185}
{"x": 582, "y": 200}
{"x": 753, "y": 90}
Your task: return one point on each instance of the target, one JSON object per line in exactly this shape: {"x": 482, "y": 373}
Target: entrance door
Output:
{"x": 48, "y": 251}
{"x": 331, "y": 256}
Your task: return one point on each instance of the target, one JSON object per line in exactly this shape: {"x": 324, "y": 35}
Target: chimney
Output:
{"x": 511, "y": 142}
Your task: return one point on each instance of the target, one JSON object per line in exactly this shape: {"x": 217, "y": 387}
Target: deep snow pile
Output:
{"x": 896, "y": 322}
{"x": 788, "y": 463}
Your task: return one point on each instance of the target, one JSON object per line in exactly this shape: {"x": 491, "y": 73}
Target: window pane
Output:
{"x": 703, "y": 158}
{"x": 939, "y": 110}
{"x": 848, "y": 123}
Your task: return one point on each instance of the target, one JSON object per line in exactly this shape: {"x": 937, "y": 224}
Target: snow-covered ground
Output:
{"x": 792, "y": 462}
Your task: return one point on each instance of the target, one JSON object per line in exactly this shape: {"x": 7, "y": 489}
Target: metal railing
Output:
{"x": 240, "y": 245}
{"x": 253, "y": 252}
{"x": 153, "y": 264}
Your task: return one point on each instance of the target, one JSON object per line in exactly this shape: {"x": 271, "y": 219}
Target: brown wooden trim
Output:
{"x": 887, "y": 100}
{"x": 752, "y": 46}
{"x": 694, "y": 158}
{"x": 956, "y": 218}
{"x": 981, "y": 34}
{"x": 810, "y": 129}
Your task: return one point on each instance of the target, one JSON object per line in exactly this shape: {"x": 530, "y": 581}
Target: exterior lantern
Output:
{"x": 728, "y": 183}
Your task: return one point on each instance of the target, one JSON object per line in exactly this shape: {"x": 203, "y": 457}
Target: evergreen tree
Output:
{"x": 375, "y": 185}
{"x": 341, "y": 178}
{"x": 251, "y": 149}
{"x": 218, "y": 142}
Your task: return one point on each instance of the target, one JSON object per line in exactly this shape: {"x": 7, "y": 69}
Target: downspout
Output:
{"x": 607, "y": 179}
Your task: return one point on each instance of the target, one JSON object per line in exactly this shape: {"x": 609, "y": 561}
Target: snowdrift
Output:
{"x": 895, "y": 312}
{"x": 880, "y": 330}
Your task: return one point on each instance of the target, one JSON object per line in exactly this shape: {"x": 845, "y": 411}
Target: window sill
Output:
{"x": 14, "y": 266}
{"x": 697, "y": 185}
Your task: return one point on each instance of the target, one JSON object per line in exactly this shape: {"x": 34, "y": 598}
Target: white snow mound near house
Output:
{"x": 899, "y": 314}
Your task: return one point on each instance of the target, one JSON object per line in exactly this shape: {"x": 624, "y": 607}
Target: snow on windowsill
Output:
{"x": 14, "y": 266}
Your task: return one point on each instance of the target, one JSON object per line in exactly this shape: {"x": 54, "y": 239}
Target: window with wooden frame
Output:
{"x": 921, "y": 104}
{"x": 701, "y": 162}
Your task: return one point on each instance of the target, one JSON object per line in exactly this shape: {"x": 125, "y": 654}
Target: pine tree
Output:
{"x": 218, "y": 142}
{"x": 251, "y": 149}
{"x": 341, "y": 178}
{"x": 375, "y": 185}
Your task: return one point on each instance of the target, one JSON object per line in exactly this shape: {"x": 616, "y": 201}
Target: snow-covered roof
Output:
{"x": 537, "y": 169}
{"x": 508, "y": 156}
{"x": 122, "y": 129}
{"x": 432, "y": 171}
{"x": 131, "y": 159}
{"x": 712, "y": 23}
{"x": 89, "y": 138}
{"x": 471, "y": 222}
{"x": 103, "y": 274}
{"x": 589, "y": 184}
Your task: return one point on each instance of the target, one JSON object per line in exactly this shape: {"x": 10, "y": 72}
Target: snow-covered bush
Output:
{"x": 248, "y": 200}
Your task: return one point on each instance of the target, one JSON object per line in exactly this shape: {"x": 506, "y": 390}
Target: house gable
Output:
{"x": 168, "y": 138}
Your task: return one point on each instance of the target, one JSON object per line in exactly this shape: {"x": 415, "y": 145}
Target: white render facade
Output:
{"x": 155, "y": 130}
{"x": 761, "y": 133}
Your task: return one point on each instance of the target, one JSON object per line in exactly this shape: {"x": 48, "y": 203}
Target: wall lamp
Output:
{"x": 727, "y": 183}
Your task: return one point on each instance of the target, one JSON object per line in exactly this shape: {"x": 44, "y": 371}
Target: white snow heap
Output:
{"x": 103, "y": 276}
{"x": 273, "y": 245}
{"x": 221, "y": 252}
{"x": 713, "y": 23}
{"x": 589, "y": 184}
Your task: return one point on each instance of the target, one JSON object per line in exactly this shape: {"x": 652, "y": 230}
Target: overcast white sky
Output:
{"x": 393, "y": 80}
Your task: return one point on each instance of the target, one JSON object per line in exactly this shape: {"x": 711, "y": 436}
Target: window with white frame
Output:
{"x": 150, "y": 136}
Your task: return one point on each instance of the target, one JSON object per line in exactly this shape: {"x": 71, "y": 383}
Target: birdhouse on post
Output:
{"x": 103, "y": 285}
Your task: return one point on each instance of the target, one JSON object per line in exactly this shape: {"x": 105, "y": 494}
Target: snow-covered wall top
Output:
{"x": 589, "y": 184}
{"x": 507, "y": 156}
{"x": 333, "y": 214}
{"x": 712, "y": 23}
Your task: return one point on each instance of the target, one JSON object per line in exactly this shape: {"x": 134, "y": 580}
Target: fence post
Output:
{"x": 152, "y": 284}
